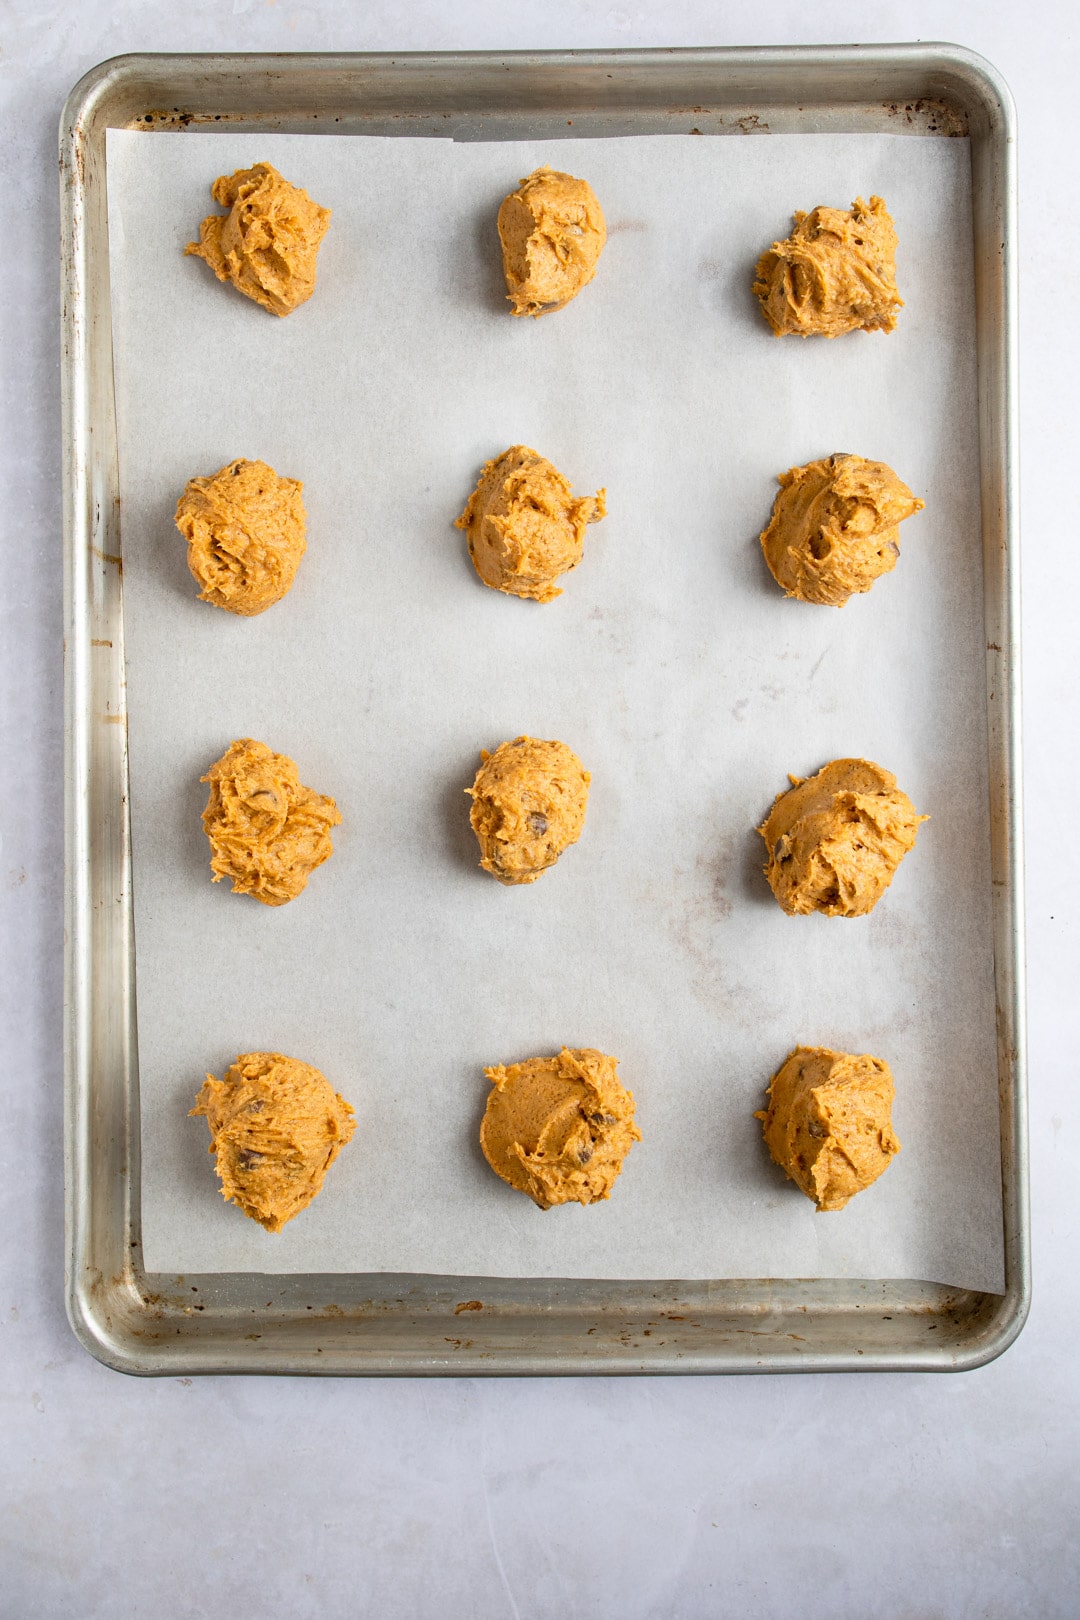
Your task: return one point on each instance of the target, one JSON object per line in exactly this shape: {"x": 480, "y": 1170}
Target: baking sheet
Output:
{"x": 687, "y": 684}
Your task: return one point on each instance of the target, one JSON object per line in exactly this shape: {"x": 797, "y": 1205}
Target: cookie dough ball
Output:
{"x": 552, "y": 232}
{"x": 834, "y": 528}
{"x": 267, "y": 831}
{"x": 559, "y": 1128}
{"x": 828, "y": 1124}
{"x": 529, "y": 801}
{"x": 524, "y": 526}
{"x": 836, "y": 839}
{"x": 835, "y": 273}
{"x": 276, "y": 1127}
{"x": 245, "y": 530}
{"x": 267, "y": 243}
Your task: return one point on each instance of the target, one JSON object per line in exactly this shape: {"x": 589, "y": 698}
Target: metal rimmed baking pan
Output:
{"x": 381, "y": 1323}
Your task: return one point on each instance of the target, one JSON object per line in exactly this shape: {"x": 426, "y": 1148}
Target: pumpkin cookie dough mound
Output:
{"x": 245, "y": 531}
{"x": 552, "y": 232}
{"x": 835, "y": 273}
{"x": 276, "y": 1127}
{"x": 834, "y": 528}
{"x": 267, "y": 243}
{"x": 529, "y": 801}
{"x": 836, "y": 839}
{"x": 559, "y": 1128}
{"x": 267, "y": 831}
{"x": 828, "y": 1124}
{"x": 524, "y": 525}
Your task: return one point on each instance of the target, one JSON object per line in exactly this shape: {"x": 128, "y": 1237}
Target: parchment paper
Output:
{"x": 673, "y": 665}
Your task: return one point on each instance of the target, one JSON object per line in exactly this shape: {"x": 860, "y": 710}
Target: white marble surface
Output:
{"x": 886, "y": 1498}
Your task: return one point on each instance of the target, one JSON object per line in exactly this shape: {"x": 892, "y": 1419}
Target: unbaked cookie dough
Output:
{"x": 834, "y": 527}
{"x": 245, "y": 531}
{"x": 276, "y": 1127}
{"x": 524, "y": 525}
{"x": 835, "y": 273}
{"x": 552, "y": 232}
{"x": 529, "y": 801}
{"x": 267, "y": 831}
{"x": 828, "y": 1124}
{"x": 836, "y": 839}
{"x": 559, "y": 1128}
{"x": 267, "y": 243}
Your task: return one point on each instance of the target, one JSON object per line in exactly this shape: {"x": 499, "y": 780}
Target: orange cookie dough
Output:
{"x": 836, "y": 839}
{"x": 552, "y": 232}
{"x": 835, "y": 273}
{"x": 267, "y": 243}
{"x": 828, "y": 1124}
{"x": 267, "y": 831}
{"x": 524, "y": 526}
{"x": 529, "y": 801}
{"x": 245, "y": 530}
{"x": 559, "y": 1128}
{"x": 276, "y": 1127}
{"x": 834, "y": 528}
